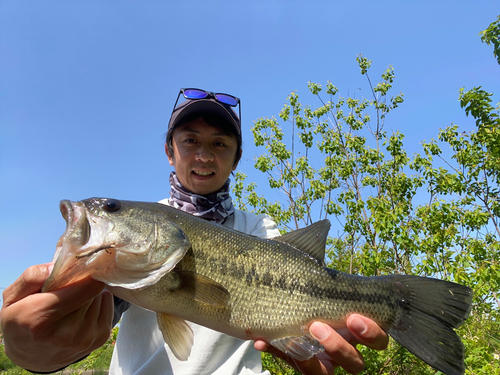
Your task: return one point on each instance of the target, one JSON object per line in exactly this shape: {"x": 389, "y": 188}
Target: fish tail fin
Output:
{"x": 429, "y": 310}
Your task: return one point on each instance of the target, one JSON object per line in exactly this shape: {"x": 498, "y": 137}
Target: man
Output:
{"x": 45, "y": 332}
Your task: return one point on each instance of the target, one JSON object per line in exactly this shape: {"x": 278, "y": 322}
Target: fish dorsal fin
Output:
{"x": 202, "y": 288}
{"x": 177, "y": 334}
{"x": 311, "y": 239}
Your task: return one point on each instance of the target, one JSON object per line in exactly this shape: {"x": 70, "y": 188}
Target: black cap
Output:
{"x": 207, "y": 105}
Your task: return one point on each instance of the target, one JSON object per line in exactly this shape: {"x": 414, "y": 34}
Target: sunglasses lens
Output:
{"x": 227, "y": 99}
{"x": 195, "y": 94}
{"x": 202, "y": 94}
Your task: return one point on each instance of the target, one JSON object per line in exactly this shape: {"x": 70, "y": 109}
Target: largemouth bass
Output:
{"x": 188, "y": 269}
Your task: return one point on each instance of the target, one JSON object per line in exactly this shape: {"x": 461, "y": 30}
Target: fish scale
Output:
{"x": 291, "y": 304}
{"x": 248, "y": 287}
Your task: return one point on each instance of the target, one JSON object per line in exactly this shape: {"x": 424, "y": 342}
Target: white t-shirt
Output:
{"x": 141, "y": 350}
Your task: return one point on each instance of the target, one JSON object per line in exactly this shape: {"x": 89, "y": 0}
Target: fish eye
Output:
{"x": 112, "y": 205}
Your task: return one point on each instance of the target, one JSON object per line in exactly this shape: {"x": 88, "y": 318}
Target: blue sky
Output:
{"x": 87, "y": 87}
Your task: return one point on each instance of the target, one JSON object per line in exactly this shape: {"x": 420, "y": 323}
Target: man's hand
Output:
{"x": 340, "y": 347}
{"x": 45, "y": 332}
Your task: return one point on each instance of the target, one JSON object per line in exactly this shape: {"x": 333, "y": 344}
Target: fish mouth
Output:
{"x": 77, "y": 226}
{"x": 71, "y": 263}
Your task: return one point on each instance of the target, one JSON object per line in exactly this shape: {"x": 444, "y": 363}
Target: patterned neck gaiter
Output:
{"x": 214, "y": 207}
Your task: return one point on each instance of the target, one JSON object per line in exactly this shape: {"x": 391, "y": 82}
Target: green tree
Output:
{"x": 492, "y": 36}
{"x": 422, "y": 214}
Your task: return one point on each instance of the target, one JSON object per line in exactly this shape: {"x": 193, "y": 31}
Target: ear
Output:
{"x": 170, "y": 157}
{"x": 236, "y": 162}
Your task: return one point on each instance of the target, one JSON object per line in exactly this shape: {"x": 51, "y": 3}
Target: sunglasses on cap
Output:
{"x": 226, "y": 99}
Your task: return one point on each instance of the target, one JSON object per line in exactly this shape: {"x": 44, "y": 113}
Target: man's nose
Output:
{"x": 204, "y": 153}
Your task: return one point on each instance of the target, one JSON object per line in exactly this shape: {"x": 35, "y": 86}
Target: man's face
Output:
{"x": 203, "y": 156}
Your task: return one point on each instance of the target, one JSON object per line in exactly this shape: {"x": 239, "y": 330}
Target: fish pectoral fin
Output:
{"x": 202, "y": 288}
{"x": 177, "y": 334}
{"x": 298, "y": 347}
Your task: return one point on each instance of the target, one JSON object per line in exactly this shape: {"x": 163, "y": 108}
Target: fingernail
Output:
{"x": 358, "y": 325}
{"x": 50, "y": 268}
{"x": 319, "y": 331}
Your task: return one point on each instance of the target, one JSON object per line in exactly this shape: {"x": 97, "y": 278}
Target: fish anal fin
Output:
{"x": 177, "y": 334}
{"x": 202, "y": 289}
{"x": 311, "y": 239}
{"x": 298, "y": 347}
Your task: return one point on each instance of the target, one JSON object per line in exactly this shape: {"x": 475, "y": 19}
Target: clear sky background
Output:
{"x": 87, "y": 87}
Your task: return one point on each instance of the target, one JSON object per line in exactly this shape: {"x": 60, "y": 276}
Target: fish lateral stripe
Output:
{"x": 349, "y": 290}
